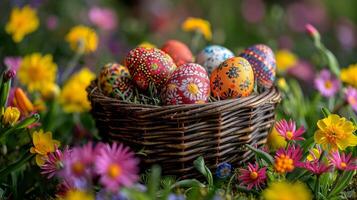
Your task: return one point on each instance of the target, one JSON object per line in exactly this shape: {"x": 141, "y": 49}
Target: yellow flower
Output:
{"x": 146, "y": 45}
{"x": 283, "y": 190}
{"x": 50, "y": 91}
{"x": 36, "y": 71}
{"x": 73, "y": 96}
{"x": 197, "y": 24}
{"x": 83, "y": 39}
{"x": 42, "y": 144}
{"x": 75, "y": 194}
{"x": 282, "y": 84}
{"x": 22, "y": 22}
{"x": 275, "y": 140}
{"x": 11, "y": 116}
{"x": 22, "y": 102}
{"x": 314, "y": 154}
{"x": 348, "y": 75}
{"x": 285, "y": 59}
{"x": 335, "y": 132}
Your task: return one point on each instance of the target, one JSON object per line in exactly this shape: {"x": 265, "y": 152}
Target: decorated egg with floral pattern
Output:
{"x": 262, "y": 59}
{"x": 149, "y": 66}
{"x": 212, "y": 56}
{"x": 233, "y": 78}
{"x": 178, "y": 51}
{"x": 114, "y": 76}
{"x": 189, "y": 84}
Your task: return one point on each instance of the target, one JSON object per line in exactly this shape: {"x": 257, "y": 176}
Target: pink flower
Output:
{"x": 351, "y": 97}
{"x": 288, "y": 130}
{"x": 311, "y": 30}
{"x": 286, "y": 160}
{"x": 116, "y": 166}
{"x": 52, "y": 22}
{"x": 252, "y": 176}
{"x": 327, "y": 84}
{"x": 316, "y": 167}
{"x": 79, "y": 164}
{"x": 342, "y": 161}
{"x": 54, "y": 162}
{"x": 13, "y": 63}
{"x": 104, "y": 18}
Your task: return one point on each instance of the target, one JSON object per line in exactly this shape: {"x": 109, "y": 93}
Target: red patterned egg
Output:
{"x": 262, "y": 59}
{"x": 149, "y": 66}
{"x": 189, "y": 84}
{"x": 232, "y": 78}
{"x": 114, "y": 76}
{"x": 178, "y": 51}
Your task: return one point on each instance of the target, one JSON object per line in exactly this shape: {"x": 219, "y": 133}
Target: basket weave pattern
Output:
{"x": 174, "y": 136}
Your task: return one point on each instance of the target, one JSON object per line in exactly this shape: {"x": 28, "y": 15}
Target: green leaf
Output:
{"x": 154, "y": 181}
{"x": 262, "y": 154}
{"x": 16, "y": 165}
{"x": 342, "y": 183}
{"x": 199, "y": 164}
{"x": 325, "y": 111}
{"x": 188, "y": 183}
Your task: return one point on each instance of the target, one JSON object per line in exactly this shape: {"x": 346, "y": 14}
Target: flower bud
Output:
{"x": 10, "y": 116}
{"x": 9, "y": 74}
{"x": 312, "y": 31}
{"x": 22, "y": 102}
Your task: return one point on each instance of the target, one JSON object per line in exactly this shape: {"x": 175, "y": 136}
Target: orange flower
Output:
{"x": 22, "y": 102}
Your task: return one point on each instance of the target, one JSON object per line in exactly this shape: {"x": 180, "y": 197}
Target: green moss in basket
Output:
{"x": 151, "y": 97}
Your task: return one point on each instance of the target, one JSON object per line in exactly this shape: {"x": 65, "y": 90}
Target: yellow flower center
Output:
{"x": 328, "y": 84}
{"x": 284, "y": 164}
{"x": 343, "y": 165}
{"x": 253, "y": 175}
{"x": 78, "y": 168}
{"x": 192, "y": 88}
{"x": 289, "y": 135}
{"x": 114, "y": 170}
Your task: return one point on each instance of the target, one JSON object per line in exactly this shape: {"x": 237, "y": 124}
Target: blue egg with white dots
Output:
{"x": 212, "y": 56}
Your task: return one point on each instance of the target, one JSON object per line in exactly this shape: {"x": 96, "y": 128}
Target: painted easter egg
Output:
{"x": 178, "y": 51}
{"x": 114, "y": 76}
{"x": 189, "y": 84}
{"x": 262, "y": 59}
{"x": 149, "y": 66}
{"x": 233, "y": 78}
{"x": 212, "y": 56}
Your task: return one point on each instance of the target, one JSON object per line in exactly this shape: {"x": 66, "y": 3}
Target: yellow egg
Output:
{"x": 233, "y": 78}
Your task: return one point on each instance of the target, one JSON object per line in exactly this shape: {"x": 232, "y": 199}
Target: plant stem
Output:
{"x": 195, "y": 41}
{"x": 72, "y": 63}
{"x": 317, "y": 187}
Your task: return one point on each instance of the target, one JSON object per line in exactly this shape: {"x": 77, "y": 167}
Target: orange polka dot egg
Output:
{"x": 149, "y": 66}
{"x": 189, "y": 84}
{"x": 114, "y": 77}
{"x": 233, "y": 78}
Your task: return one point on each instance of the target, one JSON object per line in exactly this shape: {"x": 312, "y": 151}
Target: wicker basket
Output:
{"x": 174, "y": 136}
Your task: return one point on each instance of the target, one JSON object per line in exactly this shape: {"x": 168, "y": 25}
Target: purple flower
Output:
{"x": 54, "y": 162}
{"x": 116, "y": 166}
{"x": 176, "y": 197}
{"x": 351, "y": 97}
{"x": 52, "y": 22}
{"x": 287, "y": 129}
{"x": 104, "y": 18}
{"x": 13, "y": 62}
{"x": 253, "y": 11}
{"x": 316, "y": 167}
{"x": 303, "y": 70}
{"x": 342, "y": 161}
{"x": 327, "y": 84}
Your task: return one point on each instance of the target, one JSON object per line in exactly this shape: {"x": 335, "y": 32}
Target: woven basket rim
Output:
{"x": 93, "y": 89}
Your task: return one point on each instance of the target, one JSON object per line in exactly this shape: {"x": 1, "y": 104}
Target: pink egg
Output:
{"x": 189, "y": 84}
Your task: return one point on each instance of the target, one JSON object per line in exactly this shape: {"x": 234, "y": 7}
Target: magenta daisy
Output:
{"x": 351, "y": 97}
{"x": 116, "y": 166}
{"x": 326, "y": 83}
{"x": 342, "y": 161}
{"x": 54, "y": 162}
{"x": 79, "y": 164}
{"x": 288, "y": 130}
{"x": 286, "y": 160}
{"x": 252, "y": 176}
{"x": 316, "y": 167}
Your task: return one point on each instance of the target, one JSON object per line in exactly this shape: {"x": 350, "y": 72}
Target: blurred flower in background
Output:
{"x": 12, "y": 63}
{"x": 285, "y": 59}
{"x": 349, "y": 75}
{"x": 253, "y": 11}
{"x": 200, "y": 25}
{"x": 104, "y": 18}
{"x": 52, "y": 22}
{"x": 275, "y": 140}
{"x": 82, "y": 39}
{"x": 22, "y": 22}
{"x": 292, "y": 191}
{"x": 37, "y": 70}
{"x": 76, "y": 101}
{"x": 351, "y": 97}
{"x": 327, "y": 84}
